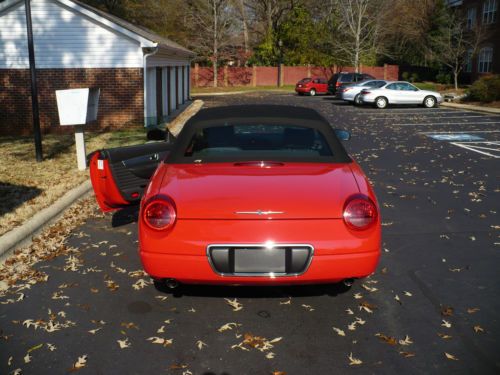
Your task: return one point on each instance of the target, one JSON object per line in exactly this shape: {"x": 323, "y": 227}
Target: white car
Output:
{"x": 351, "y": 93}
{"x": 400, "y": 93}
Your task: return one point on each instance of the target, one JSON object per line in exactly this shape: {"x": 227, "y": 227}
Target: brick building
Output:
{"x": 143, "y": 77}
{"x": 482, "y": 13}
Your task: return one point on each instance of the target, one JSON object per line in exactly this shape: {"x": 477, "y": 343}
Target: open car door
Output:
{"x": 120, "y": 175}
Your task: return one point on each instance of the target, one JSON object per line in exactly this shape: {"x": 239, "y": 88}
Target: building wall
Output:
{"x": 268, "y": 76}
{"x": 491, "y": 34}
{"x": 63, "y": 39}
{"x": 121, "y": 103}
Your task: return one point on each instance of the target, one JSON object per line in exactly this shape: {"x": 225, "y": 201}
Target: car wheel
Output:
{"x": 357, "y": 100}
{"x": 300, "y": 93}
{"x": 429, "y": 102}
{"x": 312, "y": 92}
{"x": 381, "y": 102}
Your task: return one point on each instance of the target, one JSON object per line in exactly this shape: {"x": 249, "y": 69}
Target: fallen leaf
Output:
{"x": 81, "y": 362}
{"x": 27, "y": 358}
{"x": 124, "y": 343}
{"x": 200, "y": 344}
{"x": 388, "y": 339}
{"x": 406, "y": 341}
{"x": 444, "y": 336}
{"x": 446, "y": 323}
{"x": 308, "y": 307}
{"x": 339, "y": 331}
{"x": 447, "y": 311}
{"x": 472, "y": 310}
{"x": 270, "y": 355}
{"x": 234, "y": 304}
{"x": 228, "y": 326}
{"x": 478, "y": 329}
{"x": 354, "y": 361}
{"x": 407, "y": 354}
{"x": 450, "y": 356}
{"x": 408, "y": 294}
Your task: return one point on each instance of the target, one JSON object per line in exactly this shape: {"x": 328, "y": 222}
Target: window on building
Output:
{"x": 485, "y": 59}
{"x": 471, "y": 18}
{"x": 468, "y": 62}
{"x": 489, "y": 11}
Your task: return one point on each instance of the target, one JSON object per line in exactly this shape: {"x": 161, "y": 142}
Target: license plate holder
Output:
{"x": 260, "y": 260}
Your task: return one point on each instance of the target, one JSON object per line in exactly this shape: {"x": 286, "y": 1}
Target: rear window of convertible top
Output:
{"x": 231, "y": 143}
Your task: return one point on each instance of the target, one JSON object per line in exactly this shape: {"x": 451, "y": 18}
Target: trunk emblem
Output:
{"x": 259, "y": 212}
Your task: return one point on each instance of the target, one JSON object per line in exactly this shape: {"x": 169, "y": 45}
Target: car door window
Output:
{"x": 378, "y": 84}
{"x": 393, "y": 86}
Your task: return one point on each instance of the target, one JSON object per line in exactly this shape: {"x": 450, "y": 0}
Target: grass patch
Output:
{"x": 26, "y": 186}
{"x": 206, "y": 90}
{"x": 426, "y": 86}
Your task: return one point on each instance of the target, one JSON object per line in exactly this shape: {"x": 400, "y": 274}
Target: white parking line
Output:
{"x": 477, "y": 147}
{"x": 460, "y": 132}
{"x": 448, "y": 123}
{"x": 433, "y": 117}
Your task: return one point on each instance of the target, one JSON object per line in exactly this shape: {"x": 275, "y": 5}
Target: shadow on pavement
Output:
{"x": 218, "y": 291}
{"x": 12, "y": 196}
{"x": 125, "y": 216}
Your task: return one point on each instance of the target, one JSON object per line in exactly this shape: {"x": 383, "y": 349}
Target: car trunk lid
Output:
{"x": 258, "y": 190}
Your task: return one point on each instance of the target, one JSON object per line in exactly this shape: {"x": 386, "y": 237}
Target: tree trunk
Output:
{"x": 215, "y": 46}
{"x": 455, "y": 76}
{"x": 244, "y": 22}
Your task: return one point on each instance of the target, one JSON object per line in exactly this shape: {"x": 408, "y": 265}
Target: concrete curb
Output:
{"x": 475, "y": 108}
{"x": 240, "y": 92}
{"x": 22, "y": 236}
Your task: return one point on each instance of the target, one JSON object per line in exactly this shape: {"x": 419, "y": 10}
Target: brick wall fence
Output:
{"x": 268, "y": 76}
{"x": 120, "y": 104}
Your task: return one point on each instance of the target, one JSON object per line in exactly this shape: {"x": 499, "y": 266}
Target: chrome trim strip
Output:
{"x": 259, "y": 212}
{"x": 263, "y": 274}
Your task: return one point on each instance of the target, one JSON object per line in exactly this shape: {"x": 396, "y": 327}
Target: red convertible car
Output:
{"x": 246, "y": 195}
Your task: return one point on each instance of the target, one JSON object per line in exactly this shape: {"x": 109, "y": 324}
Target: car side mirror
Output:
{"x": 156, "y": 135}
{"x": 343, "y": 135}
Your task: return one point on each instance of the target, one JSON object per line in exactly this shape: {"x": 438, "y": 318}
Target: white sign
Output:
{"x": 77, "y": 106}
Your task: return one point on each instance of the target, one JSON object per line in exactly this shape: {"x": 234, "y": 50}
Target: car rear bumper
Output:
{"x": 302, "y": 90}
{"x": 192, "y": 269}
{"x": 182, "y": 254}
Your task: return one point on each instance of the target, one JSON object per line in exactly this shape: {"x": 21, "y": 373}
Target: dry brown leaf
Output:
{"x": 444, "y": 336}
{"x": 81, "y": 362}
{"x": 450, "y": 356}
{"x": 234, "y": 304}
{"x": 407, "y": 354}
{"x": 478, "y": 329}
{"x": 339, "y": 331}
{"x": 354, "y": 361}
{"x": 447, "y": 311}
{"x": 472, "y": 310}
{"x": 388, "y": 339}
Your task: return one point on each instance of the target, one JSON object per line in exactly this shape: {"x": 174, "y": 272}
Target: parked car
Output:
{"x": 351, "y": 93}
{"x": 400, "y": 93}
{"x": 246, "y": 195}
{"x": 312, "y": 86}
{"x": 344, "y": 78}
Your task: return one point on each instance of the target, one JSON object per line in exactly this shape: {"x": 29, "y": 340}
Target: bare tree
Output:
{"x": 455, "y": 43}
{"x": 240, "y": 5}
{"x": 360, "y": 29}
{"x": 211, "y": 23}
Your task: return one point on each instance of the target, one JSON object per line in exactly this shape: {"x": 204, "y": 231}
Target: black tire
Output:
{"x": 381, "y": 102}
{"x": 300, "y": 93}
{"x": 312, "y": 92}
{"x": 429, "y": 101}
{"x": 357, "y": 100}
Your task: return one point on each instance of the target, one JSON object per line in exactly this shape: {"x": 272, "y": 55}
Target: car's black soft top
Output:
{"x": 263, "y": 114}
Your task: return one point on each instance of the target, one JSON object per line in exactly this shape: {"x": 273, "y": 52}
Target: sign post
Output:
{"x": 78, "y": 107}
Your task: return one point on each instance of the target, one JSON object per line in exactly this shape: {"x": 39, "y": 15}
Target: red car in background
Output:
{"x": 246, "y": 195}
{"x": 312, "y": 86}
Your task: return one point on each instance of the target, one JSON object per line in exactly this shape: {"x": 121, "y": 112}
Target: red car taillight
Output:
{"x": 159, "y": 213}
{"x": 338, "y": 83}
{"x": 365, "y": 92}
{"x": 360, "y": 213}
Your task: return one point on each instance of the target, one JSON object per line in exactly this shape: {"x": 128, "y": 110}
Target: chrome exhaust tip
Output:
{"x": 171, "y": 283}
{"x": 348, "y": 282}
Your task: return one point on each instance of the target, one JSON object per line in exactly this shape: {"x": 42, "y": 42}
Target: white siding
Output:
{"x": 179, "y": 83}
{"x": 172, "y": 89}
{"x": 151, "y": 96}
{"x": 186, "y": 83}
{"x": 165, "y": 93}
{"x": 162, "y": 59}
{"x": 63, "y": 39}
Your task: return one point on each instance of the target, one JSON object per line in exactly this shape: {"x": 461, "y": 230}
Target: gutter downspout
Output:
{"x": 147, "y": 53}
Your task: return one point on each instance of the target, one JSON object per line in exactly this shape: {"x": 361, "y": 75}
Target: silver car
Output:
{"x": 351, "y": 93}
{"x": 400, "y": 93}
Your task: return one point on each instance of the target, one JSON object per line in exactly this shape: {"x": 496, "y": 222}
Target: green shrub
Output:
{"x": 485, "y": 89}
{"x": 414, "y": 77}
{"x": 444, "y": 78}
{"x": 405, "y": 76}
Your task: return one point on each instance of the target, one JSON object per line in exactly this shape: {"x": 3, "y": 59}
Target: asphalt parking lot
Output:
{"x": 432, "y": 306}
